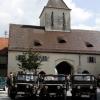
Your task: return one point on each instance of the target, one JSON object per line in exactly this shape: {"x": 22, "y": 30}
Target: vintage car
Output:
{"x": 24, "y": 85}
{"x": 84, "y": 85}
{"x": 2, "y": 83}
{"x": 53, "y": 86}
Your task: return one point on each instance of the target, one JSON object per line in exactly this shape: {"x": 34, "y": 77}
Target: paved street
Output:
{"x": 3, "y": 96}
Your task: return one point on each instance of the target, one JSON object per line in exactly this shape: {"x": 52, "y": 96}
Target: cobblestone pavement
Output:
{"x": 4, "y": 96}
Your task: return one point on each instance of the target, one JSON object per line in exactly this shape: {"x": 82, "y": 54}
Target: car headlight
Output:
{"x": 31, "y": 85}
{"x": 46, "y": 87}
{"x": 58, "y": 87}
{"x": 16, "y": 85}
{"x": 27, "y": 86}
{"x": 78, "y": 87}
{"x": 91, "y": 87}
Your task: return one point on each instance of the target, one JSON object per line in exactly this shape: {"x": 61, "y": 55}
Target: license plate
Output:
{"x": 21, "y": 93}
{"x": 86, "y": 96}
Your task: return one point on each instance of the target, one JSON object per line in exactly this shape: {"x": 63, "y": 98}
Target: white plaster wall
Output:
{"x": 93, "y": 68}
{"x": 97, "y": 66}
{"x": 55, "y": 58}
{"x": 47, "y": 66}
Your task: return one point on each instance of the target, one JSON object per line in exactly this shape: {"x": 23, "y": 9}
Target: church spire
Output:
{"x": 57, "y": 4}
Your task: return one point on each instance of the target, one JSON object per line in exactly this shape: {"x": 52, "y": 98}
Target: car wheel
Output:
{"x": 94, "y": 97}
{"x": 73, "y": 96}
{"x": 13, "y": 96}
{"x": 12, "y": 93}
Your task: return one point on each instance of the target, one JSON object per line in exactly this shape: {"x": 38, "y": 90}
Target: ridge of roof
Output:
{"x": 42, "y": 27}
{"x": 85, "y": 30}
{"x": 5, "y": 38}
{"x": 28, "y": 26}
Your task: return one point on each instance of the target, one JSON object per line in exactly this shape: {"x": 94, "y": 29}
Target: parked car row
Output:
{"x": 53, "y": 86}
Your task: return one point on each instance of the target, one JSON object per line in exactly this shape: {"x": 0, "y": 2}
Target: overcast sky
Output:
{"x": 85, "y": 14}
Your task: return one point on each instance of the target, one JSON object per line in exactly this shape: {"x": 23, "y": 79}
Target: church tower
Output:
{"x": 56, "y": 16}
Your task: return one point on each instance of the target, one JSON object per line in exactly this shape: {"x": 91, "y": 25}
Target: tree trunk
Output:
{"x": 35, "y": 71}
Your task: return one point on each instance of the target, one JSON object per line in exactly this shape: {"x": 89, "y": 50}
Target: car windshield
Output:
{"x": 54, "y": 77}
{"x": 26, "y": 77}
{"x": 83, "y": 78}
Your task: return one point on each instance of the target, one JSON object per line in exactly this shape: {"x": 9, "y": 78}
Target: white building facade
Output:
{"x": 63, "y": 50}
{"x": 76, "y": 63}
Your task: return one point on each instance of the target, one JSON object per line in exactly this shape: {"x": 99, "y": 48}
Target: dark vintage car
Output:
{"x": 84, "y": 85}
{"x": 2, "y": 83}
{"x": 53, "y": 86}
{"x": 25, "y": 85}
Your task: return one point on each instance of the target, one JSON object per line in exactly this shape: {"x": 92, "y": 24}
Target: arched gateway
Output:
{"x": 64, "y": 68}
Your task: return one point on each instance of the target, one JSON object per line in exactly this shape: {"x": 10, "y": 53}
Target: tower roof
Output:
{"x": 57, "y": 4}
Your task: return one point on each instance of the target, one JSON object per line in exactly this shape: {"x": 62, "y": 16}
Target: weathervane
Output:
{"x": 6, "y": 35}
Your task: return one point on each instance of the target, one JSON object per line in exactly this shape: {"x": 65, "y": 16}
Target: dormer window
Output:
{"x": 37, "y": 43}
{"x": 88, "y": 44}
{"x": 61, "y": 40}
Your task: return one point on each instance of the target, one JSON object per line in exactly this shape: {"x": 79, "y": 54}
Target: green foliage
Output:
{"x": 29, "y": 61}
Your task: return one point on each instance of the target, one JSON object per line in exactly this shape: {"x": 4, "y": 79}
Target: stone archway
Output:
{"x": 85, "y": 72}
{"x": 64, "y": 68}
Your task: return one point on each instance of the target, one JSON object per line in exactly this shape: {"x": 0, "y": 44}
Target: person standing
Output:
{"x": 10, "y": 82}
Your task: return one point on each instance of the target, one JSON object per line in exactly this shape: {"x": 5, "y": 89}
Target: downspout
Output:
{"x": 79, "y": 66}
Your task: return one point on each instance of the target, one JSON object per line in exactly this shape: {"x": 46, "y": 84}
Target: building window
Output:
{"x": 43, "y": 58}
{"x": 19, "y": 57}
{"x": 63, "y": 21}
{"x": 52, "y": 19}
{"x": 3, "y": 59}
{"x": 40, "y": 58}
{"x": 91, "y": 59}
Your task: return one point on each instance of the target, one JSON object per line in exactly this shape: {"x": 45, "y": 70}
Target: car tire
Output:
{"x": 94, "y": 97}
{"x": 73, "y": 96}
{"x": 12, "y": 93}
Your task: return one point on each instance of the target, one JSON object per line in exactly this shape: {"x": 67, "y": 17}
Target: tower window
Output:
{"x": 52, "y": 20}
{"x": 91, "y": 59}
{"x": 37, "y": 43}
{"x": 63, "y": 21}
{"x": 88, "y": 44}
{"x": 61, "y": 40}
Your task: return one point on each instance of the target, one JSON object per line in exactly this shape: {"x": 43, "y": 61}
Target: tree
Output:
{"x": 29, "y": 61}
